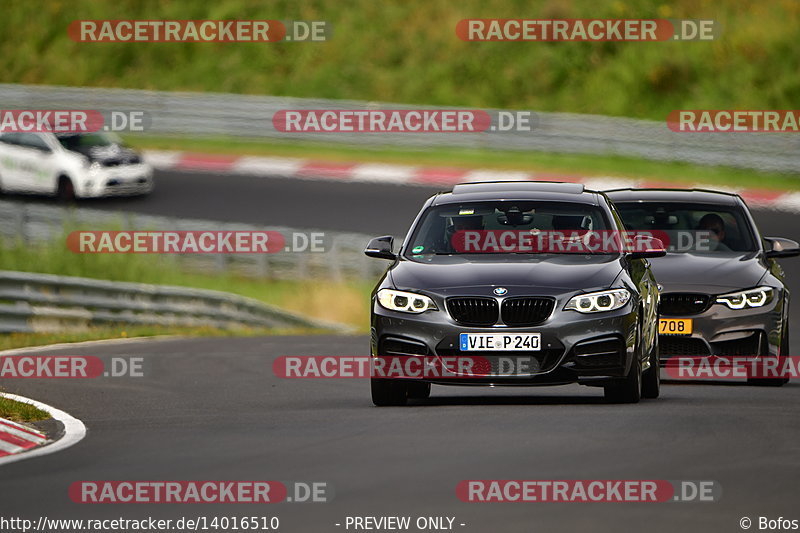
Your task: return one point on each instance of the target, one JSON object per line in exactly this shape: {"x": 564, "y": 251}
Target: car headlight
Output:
{"x": 596, "y": 302}
{"x": 407, "y": 302}
{"x": 746, "y": 299}
{"x": 91, "y": 166}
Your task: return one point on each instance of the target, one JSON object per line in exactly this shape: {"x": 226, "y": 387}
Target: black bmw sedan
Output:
{"x": 528, "y": 283}
{"x": 723, "y": 293}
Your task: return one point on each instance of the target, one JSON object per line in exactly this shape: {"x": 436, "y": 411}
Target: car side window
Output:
{"x": 10, "y": 138}
{"x": 31, "y": 140}
{"x": 617, "y": 218}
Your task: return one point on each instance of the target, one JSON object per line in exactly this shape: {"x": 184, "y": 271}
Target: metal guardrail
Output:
{"x": 343, "y": 259}
{"x": 43, "y": 302}
{"x": 251, "y": 116}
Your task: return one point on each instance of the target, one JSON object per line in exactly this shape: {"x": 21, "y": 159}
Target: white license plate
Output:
{"x": 508, "y": 342}
{"x": 128, "y": 172}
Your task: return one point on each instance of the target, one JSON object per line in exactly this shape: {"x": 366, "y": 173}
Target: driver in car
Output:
{"x": 463, "y": 223}
{"x": 713, "y": 224}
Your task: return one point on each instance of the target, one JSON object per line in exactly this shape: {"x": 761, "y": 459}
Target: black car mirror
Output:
{"x": 780, "y": 247}
{"x": 652, "y": 248}
{"x": 381, "y": 247}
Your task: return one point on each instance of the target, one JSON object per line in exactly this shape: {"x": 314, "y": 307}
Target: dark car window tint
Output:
{"x": 436, "y": 229}
{"x": 31, "y": 140}
{"x": 685, "y": 222}
{"x": 76, "y": 141}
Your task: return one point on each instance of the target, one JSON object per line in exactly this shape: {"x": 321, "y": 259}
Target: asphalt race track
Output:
{"x": 313, "y": 204}
{"x": 212, "y": 409}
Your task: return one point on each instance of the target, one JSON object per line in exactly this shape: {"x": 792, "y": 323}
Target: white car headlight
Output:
{"x": 746, "y": 299}
{"x": 407, "y": 302}
{"x": 596, "y": 302}
{"x": 92, "y": 166}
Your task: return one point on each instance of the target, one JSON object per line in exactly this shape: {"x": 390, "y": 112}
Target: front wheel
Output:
{"x": 630, "y": 389}
{"x": 388, "y": 392}
{"x": 651, "y": 378}
{"x": 419, "y": 391}
{"x": 66, "y": 190}
{"x": 782, "y": 353}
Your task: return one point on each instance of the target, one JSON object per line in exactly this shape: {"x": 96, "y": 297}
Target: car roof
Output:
{"x": 518, "y": 190}
{"x": 700, "y": 196}
{"x": 74, "y": 133}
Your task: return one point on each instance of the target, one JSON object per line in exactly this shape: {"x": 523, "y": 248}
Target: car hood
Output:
{"x": 109, "y": 155}
{"x": 542, "y": 275}
{"x": 715, "y": 273}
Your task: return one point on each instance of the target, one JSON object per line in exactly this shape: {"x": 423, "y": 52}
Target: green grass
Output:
{"x": 20, "y": 412}
{"x": 343, "y": 302}
{"x": 566, "y": 164}
{"x": 409, "y": 52}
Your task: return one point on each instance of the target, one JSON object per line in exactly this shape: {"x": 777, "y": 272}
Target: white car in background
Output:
{"x": 73, "y": 165}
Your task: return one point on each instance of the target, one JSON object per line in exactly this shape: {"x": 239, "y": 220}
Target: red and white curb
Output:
{"x": 16, "y": 438}
{"x": 428, "y": 176}
{"x": 19, "y": 442}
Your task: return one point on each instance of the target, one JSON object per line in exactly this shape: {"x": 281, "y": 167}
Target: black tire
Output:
{"x": 767, "y": 382}
{"x": 629, "y": 390}
{"x": 419, "y": 390}
{"x": 785, "y": 348}
{"x": 388, "y": 392}
{"x": 66, "y": 190}
{"x": 651, "y": 378}
{"x": 774, "y": 382}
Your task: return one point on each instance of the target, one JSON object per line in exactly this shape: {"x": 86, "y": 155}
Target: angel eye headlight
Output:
{"x": 596, "y": 302}
{"x": 746, "y": 299}
{"x": 406, "y": 302}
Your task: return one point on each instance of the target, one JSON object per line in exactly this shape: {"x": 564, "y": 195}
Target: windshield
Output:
{"x": 697, "y": 228}
{"x": 506, "y": 227}
{"x": 82, "y": 141}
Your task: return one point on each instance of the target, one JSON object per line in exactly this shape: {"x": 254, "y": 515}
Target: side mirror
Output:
{"x": 381, "y": 247}
{"x": 648, "y": 248}
{"x": 781, "y": 247}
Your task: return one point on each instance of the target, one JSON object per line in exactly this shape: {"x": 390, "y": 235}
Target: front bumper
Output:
{"x": 127, "y": 180}
{"x": 723, "y": 332}
{"x": 575, "y": 347}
